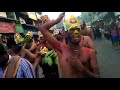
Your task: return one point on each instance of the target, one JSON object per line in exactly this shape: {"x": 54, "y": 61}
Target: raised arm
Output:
{"x": 44, "y": 30}
{"x": 33, "y": 47}
{"x": 31, "y": 55}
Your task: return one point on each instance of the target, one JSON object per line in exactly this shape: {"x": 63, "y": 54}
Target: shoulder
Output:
{"x": 89, "y": 29}
{"x": 89, "y": 51}
{"x": 25, "y": 63}
{"x": 86, "y": 37}
{"x": 33, "y": 43}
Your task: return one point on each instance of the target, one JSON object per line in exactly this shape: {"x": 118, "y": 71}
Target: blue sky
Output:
{"x": 54, "y": 15}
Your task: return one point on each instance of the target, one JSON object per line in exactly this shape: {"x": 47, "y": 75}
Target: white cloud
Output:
{"x": 54, "y": 15}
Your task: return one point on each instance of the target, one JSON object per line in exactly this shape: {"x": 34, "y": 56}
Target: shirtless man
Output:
{"x": 75, "y": 61}
{"x": 85, "y": 31}
{"x": 18, "y": 49}
{"x": 30, "y": 43}
{"x": 85, "y": 40}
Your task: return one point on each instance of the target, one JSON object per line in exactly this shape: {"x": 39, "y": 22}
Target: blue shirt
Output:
{"x": 25, "y": 70}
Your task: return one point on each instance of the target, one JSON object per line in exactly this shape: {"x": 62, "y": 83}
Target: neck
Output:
{"x": 74, "y": 47}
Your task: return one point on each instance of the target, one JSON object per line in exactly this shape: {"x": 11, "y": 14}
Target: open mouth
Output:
{"x": 76, "y": 38}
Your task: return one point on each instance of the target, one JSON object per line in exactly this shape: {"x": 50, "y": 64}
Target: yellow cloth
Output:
{"x": 72, "y": 23}
{"x": 29, "y": 33}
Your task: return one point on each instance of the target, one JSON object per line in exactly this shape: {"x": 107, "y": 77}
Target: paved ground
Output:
{"x": 108, "y": 59}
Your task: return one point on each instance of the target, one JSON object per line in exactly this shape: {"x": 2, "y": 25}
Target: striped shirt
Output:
{"x": 25, "y": 70}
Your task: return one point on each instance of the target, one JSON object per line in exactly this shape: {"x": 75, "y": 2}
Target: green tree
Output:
{"x": 86, "y": 16}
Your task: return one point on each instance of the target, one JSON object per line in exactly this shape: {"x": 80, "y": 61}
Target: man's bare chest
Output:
{"x": 79, "y": 56}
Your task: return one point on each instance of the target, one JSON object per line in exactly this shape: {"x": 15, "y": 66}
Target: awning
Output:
{"x": 7, "y": 27}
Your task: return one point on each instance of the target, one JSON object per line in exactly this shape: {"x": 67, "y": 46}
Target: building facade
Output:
{"x": 20, "y": 22}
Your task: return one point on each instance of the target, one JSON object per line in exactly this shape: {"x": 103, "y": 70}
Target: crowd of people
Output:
{"x": 54, "y": 54}
{"x": 110, "y": 32}
{"x": 113, "y": 31}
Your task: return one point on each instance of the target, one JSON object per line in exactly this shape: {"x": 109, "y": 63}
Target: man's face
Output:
{"x": 75, "y": 35}
{"x": 82, "y": 26}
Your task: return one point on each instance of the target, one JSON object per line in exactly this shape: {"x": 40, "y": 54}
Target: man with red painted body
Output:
{"x": 85, "y": 41}
{"x": 75, "y": 61}
{"x": 85, "y": 33}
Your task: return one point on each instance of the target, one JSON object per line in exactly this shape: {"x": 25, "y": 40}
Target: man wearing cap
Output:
{"x": 75, "y": 61}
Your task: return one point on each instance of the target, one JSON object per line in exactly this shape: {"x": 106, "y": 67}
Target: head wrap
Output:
{"x": 72, "y": 23}
{"x": 43, "y": 50}
{"x": 18, "y": 38}
{"x": 29, "y": 33}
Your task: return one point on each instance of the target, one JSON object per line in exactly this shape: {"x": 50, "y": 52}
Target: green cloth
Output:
{"x": 19, "y": 28}
{"x": 51, "y": 58}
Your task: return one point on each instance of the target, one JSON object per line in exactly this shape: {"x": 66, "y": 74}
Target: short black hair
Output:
{"x": 2, "y": 50}
{"x": 11, "y": 42}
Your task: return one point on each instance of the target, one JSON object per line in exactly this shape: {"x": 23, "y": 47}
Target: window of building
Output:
{"x": 11, "y": 15}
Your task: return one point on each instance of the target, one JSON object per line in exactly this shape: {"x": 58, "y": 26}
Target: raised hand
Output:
{"x": 51, "y": 23}
{"x": 60, "y": 17}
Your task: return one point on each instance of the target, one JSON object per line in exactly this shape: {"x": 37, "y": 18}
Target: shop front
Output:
{"x": 7, "y": 27}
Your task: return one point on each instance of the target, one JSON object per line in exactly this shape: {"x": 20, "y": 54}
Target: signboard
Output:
{"x": 19, "y": 28}
{"x": 6, "y": 27}
{"x": 32, "y": 15}
{"x": 3, "y": 14}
